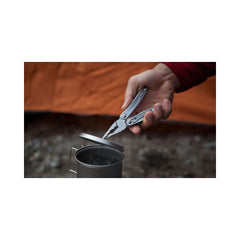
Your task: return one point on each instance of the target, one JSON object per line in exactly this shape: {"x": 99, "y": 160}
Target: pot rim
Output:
{"x": 99, "y": 146}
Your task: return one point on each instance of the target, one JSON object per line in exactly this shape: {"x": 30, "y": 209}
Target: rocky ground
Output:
{"x": 170, "y": 150}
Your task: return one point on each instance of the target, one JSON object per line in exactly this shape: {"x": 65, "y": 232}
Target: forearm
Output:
{"x": 166, "y": 75}
{"x": 190, "y": 74}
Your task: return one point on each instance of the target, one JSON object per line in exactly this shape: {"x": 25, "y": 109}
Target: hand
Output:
{"x": 161, "y": 83}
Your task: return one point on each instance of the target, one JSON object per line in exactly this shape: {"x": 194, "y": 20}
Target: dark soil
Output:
{"x": 169, "y": 150}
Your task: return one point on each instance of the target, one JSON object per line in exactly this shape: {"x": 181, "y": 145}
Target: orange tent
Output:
{"x": 98, "y": 88}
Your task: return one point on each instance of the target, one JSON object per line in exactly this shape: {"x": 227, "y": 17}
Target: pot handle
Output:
{"x": 70, "y": 160}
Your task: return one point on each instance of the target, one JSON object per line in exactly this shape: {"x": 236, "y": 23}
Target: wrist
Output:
{"x": 165, "y": 74}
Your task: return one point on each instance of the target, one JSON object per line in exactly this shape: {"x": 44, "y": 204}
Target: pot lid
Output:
{"x": 100, "y": 141}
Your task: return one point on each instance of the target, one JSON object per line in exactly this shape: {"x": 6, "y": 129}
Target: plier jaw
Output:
{"x": 116, "y": 127}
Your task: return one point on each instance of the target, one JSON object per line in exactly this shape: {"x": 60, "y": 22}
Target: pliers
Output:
{"x": 124, "y": 122}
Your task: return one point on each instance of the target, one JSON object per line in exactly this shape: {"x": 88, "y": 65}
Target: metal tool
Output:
{"x": 124, "y": 122}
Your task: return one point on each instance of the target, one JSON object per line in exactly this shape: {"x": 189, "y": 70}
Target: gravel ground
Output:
{"x": 170, "y": 150}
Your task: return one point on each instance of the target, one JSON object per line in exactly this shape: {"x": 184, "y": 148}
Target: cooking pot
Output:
{"x": 97, "y": 161}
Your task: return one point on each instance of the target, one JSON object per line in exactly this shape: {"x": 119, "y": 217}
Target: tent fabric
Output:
{"x": 99, "y": 87}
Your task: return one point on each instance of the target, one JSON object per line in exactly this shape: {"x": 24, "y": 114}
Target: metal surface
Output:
{"x": 124, "y": 122}
{"x": 98, "y": 161}
{"x": 100, "y": 141}
{"x": 71, "y": 164}
{"x": 135, "y": 102}
{"x": 117, "y": 127}
{"x": 138, "y": 118}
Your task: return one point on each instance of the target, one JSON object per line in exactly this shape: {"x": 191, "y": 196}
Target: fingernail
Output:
{"x": 159, "y": 108}
{"x": 123, "y": 106}
{"x": 150, "y": 117}
{"x": 167, "y": 102}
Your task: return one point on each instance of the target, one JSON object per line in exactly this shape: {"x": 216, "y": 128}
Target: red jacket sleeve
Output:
{"x": 191, "y": 74}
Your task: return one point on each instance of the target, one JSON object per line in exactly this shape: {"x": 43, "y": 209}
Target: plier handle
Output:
{"x": 124, "y": 122}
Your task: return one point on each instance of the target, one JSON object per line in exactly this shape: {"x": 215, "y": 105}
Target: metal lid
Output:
{"x": 101, "y": 141}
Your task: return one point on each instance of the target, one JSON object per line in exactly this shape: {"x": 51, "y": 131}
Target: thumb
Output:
{"x": 130, "y": 92}
{"x": 127, "y": 101}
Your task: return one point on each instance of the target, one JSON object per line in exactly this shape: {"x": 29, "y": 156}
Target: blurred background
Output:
{"x": 62, "y": 100}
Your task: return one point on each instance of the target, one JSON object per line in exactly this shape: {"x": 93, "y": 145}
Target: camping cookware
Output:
{"x": 103, "y": 160}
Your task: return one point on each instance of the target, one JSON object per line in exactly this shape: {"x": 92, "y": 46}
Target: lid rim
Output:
{"x": 101, "y": 141}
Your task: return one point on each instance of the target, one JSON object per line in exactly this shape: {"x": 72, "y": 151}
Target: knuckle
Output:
{"x": 167, "y": 113}
{"x": 132, "y": 79}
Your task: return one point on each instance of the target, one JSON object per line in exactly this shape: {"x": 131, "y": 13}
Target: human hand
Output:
{"x": 161, "y": 83}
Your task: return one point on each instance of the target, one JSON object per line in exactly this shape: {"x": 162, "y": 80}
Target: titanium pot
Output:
{"x": 97, "y": 161}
